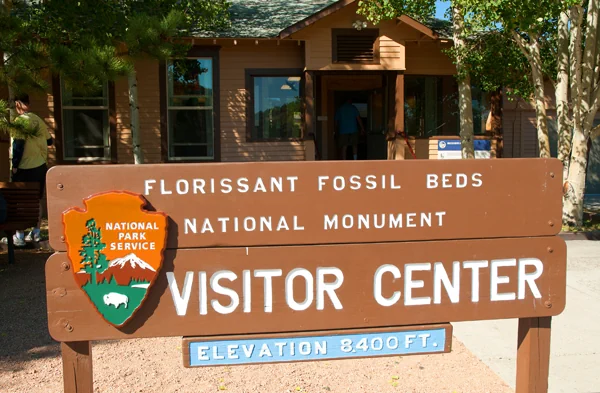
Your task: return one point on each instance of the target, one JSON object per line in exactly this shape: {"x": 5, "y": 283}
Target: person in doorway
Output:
{"x": 29, "y": 160}
{"x": 347, "y": 123}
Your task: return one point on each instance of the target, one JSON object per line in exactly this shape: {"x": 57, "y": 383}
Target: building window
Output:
{"x": 275, "y": 104}
{"x": 355, "y": 46}
{"x": 431, "y": 107}
{"x": 86, "y": 124}
{"x": 191, "y": 109}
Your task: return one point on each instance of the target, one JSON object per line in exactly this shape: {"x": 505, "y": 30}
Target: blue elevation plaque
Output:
{"x": 318, "y": 347}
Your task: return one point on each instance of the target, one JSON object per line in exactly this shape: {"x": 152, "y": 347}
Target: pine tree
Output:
{"x": 94, "y": 261}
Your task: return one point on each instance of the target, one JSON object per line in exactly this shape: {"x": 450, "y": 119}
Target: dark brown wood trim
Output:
{"x": 249, "y": 101}
{"x": 196, "y": 51}
{"x": 365, "y": 32}
{"x": 309, "y": 110}
{"x": 314, "y": 18}
{"x": 58, "y": 130}
{"x": 418, "y": 26}
{"x": 391, "y": 104}
{"x": 164, "y": 128}
{"x": 112, "y": 119}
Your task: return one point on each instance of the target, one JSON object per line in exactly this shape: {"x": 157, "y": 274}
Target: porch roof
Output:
{"x": 267, "y": 19}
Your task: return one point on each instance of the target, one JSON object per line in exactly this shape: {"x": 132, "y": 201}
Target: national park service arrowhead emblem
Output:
{"x": 116, "y": 249}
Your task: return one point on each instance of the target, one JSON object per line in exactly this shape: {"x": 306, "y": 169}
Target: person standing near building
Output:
{"x": 347, "y": 122}
{"x": 29, "y": 160}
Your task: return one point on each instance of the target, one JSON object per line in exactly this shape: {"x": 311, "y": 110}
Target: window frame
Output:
{"x": 57, "y": 92}
{"x": 196, "y": 52}
{"x": 335, "y": 32}
{"x": 251, "y": 73}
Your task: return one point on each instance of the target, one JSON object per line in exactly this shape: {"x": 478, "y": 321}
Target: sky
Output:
{"x": 442, "y": 6}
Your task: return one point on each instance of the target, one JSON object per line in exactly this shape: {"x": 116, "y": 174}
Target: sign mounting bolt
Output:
{"x": 552, "y": 175}
{"x": 65, "y": 266}
{"x": 62, "y": 239}
{"x": 551, "y": 223}
{"x": 550, "y": 250}
{"x": 60, "y": 186}
{"x": 548, "y": 304}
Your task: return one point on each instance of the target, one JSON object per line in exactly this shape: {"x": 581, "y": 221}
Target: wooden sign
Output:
{"x": 205, "y": 292}
{"x": 325, "y": 202}
{"x": 256, "y": 263}
{"x": 315, "y": 346}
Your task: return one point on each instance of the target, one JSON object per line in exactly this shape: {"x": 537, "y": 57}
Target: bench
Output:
{"x": 22, "y": 210}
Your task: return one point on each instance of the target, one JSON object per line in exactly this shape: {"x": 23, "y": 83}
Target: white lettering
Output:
{"x": 330, "y": 288}
{"x": 148, "y": 186}
{"x": 181, "y": 302}
{"x": 441, "y": 276}
{"x": 267, "y": 275}
{"x": 289, "y": 289}
{"x": 410, "y": 284}
{"x": 183, "y": 187}
{"x": 377, "y": 287}
{"x": 321, "y": 182}
{"x": 189, "y": 225}
{"x": 496, "y": 280}
{"x": 475, "y": 266}
{"x": 218, "y": 288}
{"x": 529, "y": 278}
{"x": 331, "y": 223}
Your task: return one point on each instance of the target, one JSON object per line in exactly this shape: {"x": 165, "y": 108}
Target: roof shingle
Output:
{"x": 267, "y": 18}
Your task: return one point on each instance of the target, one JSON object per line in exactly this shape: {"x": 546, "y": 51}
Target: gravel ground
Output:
{"x": 30, "y": 359}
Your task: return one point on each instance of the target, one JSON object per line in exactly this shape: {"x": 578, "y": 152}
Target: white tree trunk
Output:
{"x": 465, "y": 102}
{"x": 562, "y": 95}
{"x": 573, "y": 201}
{"x": 531, "y": 50}
{"x": 586, "y": 104}
{"x": 540, "y": 102}
{"x": 138, "y": 155}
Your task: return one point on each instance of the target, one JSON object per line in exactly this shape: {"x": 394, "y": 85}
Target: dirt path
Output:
{"x": 30, "y": 359}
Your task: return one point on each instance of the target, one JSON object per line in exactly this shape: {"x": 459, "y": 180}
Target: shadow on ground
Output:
{"x": 24, "y": 333}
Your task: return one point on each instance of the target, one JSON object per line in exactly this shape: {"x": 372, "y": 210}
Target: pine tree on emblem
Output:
{"x": 94, "y": 261}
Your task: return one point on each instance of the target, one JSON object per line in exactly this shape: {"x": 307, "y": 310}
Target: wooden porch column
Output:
{"x": 400, "y": 101}
{"x": 309, "y": 116}
{"x": 396, "y": 143}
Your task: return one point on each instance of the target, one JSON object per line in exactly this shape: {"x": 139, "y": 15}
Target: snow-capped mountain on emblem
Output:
{"x": 133, "y": 261}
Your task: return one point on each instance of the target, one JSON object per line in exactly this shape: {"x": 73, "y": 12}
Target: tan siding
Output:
{"x": 398, "y": 47}
{"x": 234, "y": 61}
{"x": 124, "y": 143}
{"x": 149, "y": 103}
{"x": 427, "y": 58}
{"x": 319, "y": 42}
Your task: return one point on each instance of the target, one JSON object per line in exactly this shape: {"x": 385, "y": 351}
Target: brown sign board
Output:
{"x": 322, "y": 345}
{"x": 246, "y": 290}
{"x": 286, "y": 203}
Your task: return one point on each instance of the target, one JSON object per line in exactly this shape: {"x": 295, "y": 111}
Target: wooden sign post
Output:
{"x": 287, "y": 262}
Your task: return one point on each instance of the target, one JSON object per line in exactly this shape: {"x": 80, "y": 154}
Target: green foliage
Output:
{"x": 19, "y": 128}
{"x": 88, "y": 42}
{"x": 375, "y": 10}
{"x": 493, "y": 62}
{"x": 93, "y": 260}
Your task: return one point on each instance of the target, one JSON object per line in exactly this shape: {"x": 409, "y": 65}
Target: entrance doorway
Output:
{"x": 372, "y": 145}
{"x": 369, "y": 96}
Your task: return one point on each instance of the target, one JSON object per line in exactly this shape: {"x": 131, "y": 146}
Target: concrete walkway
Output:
{"x": 575, "y": 342}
